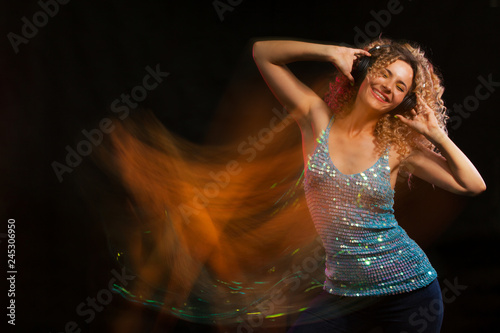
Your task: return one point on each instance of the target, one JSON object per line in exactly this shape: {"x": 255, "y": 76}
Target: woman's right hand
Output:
{"x": 343, "y": 58}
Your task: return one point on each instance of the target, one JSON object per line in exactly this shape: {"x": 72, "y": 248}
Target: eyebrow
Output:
{"x": 399, "y": 81}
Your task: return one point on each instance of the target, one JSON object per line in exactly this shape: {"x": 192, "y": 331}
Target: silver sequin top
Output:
{"x": 367, "y": 252}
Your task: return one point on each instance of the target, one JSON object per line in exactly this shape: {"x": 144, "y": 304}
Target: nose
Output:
{"x": 386, "y": 87}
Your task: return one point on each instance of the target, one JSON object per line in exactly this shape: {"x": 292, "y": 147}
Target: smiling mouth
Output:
{"x": 379, "y": 96}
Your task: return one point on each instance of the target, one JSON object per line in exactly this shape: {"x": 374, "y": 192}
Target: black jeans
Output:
{"x": 417, "y": 311}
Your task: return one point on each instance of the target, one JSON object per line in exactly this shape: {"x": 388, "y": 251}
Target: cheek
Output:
{"x": 398, "y": 98}
{"x": 364, "y": 88}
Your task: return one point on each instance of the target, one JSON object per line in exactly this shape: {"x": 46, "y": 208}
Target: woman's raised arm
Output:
{"x": 271, "y": 57}
{"x": 453, "y": 171}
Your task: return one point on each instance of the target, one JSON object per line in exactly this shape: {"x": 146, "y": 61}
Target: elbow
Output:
{"x": 260, "y": 50}
{"x": 255, "y": 49}
{"x": 476, "y": 190}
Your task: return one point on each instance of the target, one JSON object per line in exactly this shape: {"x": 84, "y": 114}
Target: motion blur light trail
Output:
{"x": 210, "y": 236}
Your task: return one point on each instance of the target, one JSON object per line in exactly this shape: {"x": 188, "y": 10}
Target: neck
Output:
{"x": 360, "y": 121}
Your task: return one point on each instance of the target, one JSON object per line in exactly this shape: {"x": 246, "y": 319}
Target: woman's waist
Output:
{"x": 361, "y": 240}
{"x": 354, "y": 271}
{"x": 369, "y": 245}
{"x": 351, "y": 219}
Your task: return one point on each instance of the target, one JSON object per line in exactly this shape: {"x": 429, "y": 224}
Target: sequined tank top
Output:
{"x": 367, "y": 252}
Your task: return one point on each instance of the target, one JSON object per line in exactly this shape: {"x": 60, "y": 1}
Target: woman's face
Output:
{"x": 386, "y": 89}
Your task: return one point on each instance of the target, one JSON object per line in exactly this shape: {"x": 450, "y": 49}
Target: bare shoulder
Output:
{"x": 399, "y": 162}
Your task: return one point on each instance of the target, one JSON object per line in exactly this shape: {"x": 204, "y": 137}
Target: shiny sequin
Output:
{"x": 367, "y": 252}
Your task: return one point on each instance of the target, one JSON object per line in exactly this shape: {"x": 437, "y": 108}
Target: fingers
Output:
{"x": 401, "y": 118}
{"x": 366, "y": 53}
{"x": 348, "y": 58}
{"x": 360, "y": 52}
{"x": 423, "y": 102}
{"x": 425, "y": 109}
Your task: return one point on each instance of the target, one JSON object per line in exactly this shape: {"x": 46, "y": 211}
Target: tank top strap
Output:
{"x": 387, "y": 150}
{"x": 330, "y": 123}
{"x": 384, "y": 159}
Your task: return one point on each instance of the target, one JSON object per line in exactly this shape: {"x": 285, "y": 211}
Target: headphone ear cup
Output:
{"x": 360, "y": 70}
{"x": 408, "y": 103}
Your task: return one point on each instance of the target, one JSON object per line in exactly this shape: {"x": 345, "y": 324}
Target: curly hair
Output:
{"x": 427, "y": 84}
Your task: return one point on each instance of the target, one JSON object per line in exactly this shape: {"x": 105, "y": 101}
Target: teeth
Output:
{"x": 381, "y": 96}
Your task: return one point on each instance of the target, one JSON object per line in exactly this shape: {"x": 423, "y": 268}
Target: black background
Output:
{"x": 66, "y": 76}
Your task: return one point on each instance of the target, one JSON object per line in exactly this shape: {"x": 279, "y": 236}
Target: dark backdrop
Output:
{"x": 63, "y": 76}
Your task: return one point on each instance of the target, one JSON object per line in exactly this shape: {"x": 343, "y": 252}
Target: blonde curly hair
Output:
{"x": 427, "y": 84}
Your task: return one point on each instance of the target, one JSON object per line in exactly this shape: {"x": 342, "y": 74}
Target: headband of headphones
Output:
{"x": 378, "y": 47}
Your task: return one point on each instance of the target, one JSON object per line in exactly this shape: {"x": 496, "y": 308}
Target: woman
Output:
{"x": 355, "y": 143}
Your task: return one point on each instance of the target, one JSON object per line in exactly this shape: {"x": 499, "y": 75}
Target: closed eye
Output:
{"x": 402, "y": 84}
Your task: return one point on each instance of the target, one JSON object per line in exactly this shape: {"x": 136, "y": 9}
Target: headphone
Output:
{"x": 359, "y": 73}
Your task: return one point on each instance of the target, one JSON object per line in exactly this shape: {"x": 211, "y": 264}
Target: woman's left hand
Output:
{"x": 424, "y": 122}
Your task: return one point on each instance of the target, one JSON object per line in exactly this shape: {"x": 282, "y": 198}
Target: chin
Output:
{"x": 376, "y": 105}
